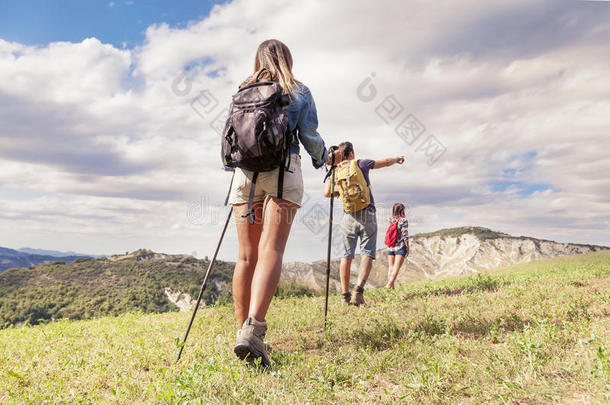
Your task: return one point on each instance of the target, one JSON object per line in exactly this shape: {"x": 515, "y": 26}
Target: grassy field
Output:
{"x": 534, "y": 333}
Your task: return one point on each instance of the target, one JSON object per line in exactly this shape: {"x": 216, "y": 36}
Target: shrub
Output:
{"x": 293, "y": 289}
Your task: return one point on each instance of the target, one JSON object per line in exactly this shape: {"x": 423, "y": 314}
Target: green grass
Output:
{"x": 533, "y": 333}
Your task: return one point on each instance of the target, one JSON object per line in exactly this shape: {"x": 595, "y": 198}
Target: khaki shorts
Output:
{"x": 266, "y": 184}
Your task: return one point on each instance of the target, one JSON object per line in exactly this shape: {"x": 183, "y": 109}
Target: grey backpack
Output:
{"x": 256, "y": 136}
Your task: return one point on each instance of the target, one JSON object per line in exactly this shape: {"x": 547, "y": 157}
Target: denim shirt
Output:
{"x": 302, "y": 115}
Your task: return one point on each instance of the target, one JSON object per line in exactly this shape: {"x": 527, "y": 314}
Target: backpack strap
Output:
{"x": 280, "y": 177}
{"x": 286, "y": 153}
{"x": 280, "y": 181}
{"x": 258, "y": 75}
{"x": 250, "y": 211}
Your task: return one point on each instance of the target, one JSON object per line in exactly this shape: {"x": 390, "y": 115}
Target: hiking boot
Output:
{"x": 268, "y": 347}
{"x": 358, "y": 297}
{"x": 250, "y": 344}
{"x": 347, "y": 297}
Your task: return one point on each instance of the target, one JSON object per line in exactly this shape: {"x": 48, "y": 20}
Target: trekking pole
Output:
{"x": 205, "y": 282}
{"x": 330, "y": 231}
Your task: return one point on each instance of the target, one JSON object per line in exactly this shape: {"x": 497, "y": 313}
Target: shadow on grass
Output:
{"x": 479, "y": 283}
{"x": 384, "y": 334}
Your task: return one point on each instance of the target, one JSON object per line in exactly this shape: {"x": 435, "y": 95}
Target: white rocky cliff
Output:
{"x": 182, "y": 300}
{"x": 445, "y": 253}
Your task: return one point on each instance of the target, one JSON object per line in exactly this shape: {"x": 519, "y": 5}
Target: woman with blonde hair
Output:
{"x": 400, "y": 249}
{"x": 265, "y": 207}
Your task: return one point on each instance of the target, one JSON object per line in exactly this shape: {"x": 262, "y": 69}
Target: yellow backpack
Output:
{"x": 352, "y": 186}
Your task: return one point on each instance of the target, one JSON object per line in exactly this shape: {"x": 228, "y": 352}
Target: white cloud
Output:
{"x": 96, "y": 145}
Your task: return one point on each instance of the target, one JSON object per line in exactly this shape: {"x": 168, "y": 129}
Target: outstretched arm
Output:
{"x": 388, "y": 162}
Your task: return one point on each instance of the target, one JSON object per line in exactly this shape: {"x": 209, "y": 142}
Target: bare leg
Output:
{"x": 366, "y": 262}
{"x": 277, "y": 221}
{"x": 390, "y": 270}
{"x": 344, "y": 272}
{"x": 248, "y": 236}
{"x": 397, "y": 264}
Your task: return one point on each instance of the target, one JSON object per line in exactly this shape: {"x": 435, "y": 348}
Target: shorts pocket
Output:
{"x": 293, "y": 177}
{"x": 240, "y": 190}
{"x": 241, "y": 182}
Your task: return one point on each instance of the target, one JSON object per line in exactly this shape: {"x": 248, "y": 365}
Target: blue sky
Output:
{"x": 100, "y": 154}
{"x": 38, "y": 22}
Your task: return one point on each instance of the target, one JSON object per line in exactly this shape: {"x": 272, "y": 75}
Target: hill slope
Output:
{"x": 445, "y": 253}
{"x": 143, "y": 280}
{"x": 534, "y": 333}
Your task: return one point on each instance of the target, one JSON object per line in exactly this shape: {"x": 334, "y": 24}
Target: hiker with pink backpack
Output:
{"x": 397, "y": 241}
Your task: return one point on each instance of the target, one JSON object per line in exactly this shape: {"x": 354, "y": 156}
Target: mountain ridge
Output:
{"x": 443, "y": 253}
{"x": 486, "y": 233}
{"x": 12, "y": 258}
{"x": 55, "y": 253}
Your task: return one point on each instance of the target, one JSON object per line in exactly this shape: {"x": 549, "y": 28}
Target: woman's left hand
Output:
{"x": 337, "y": 158}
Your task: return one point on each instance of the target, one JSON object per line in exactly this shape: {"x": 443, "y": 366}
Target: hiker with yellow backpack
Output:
{"x": 359, "y": 219}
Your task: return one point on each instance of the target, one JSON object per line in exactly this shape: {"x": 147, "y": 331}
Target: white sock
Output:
{"x": 257, "y": 323}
